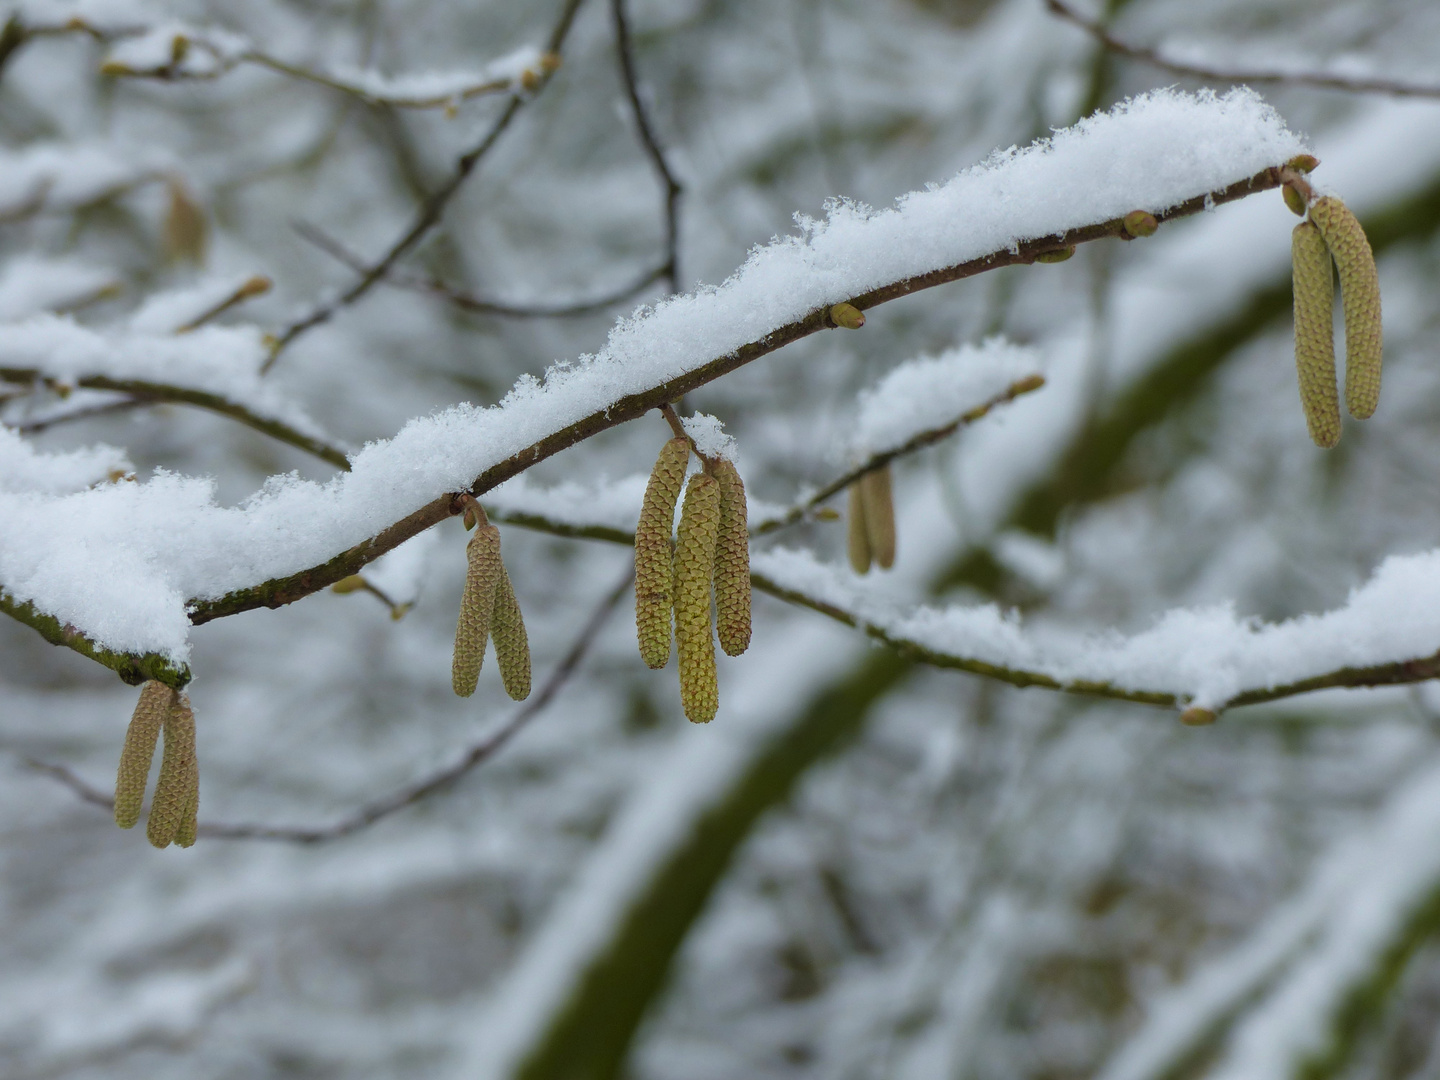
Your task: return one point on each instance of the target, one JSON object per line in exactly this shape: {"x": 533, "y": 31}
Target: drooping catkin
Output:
{"x": 178, "y": 772}
{"x": 512, "y": 646}
{"x": 732, "y": 562}
{"x": 139, "y": 751}
{"x": 879, "y": 515}
{"x": 476, "y": 604}
{"x": 857, "y": 535}
{"x": 1315, "y": 333}
{"x": 1360, "y": 295}
{"x": 185, "y": 834}
{"x": 653, "y": 553}
{"x": 694, "y": 565}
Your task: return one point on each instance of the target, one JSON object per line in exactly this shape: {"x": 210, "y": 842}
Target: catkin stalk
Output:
{"x": 178, "y": 771}
{"x": 653, "y": 553}
{"x": 139, "y": 751}
{"x": 1360, "y": 295}
{"x": 1315, "y": 333}
{"x": 512, "y": 646}
{"x": 476, "y": 604}
{"x": 694, "y": 565}
{"x": 857, "y": 536}
{"x": 732, "y": 562}
{"x": 879, "y": 515}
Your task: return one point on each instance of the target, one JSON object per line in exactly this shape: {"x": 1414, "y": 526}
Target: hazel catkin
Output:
{"x": 1360, "y": 296}
{"x": 476, "y": 604}
{"x": 879, "y": 515}
{"x": 178, "y": 775}
{"x": 1314, "y": 333}
{"x": 857, "y": 536}
{"x": 694, "y": 565}
{"x": 512, "y": 646}
{"x": 139, "y": 751}
{"x": 653, "y": 552}
{"x": 732, "y": 562}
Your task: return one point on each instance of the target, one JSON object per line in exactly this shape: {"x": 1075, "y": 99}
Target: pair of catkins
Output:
{"x": 488, "y": 608}
{"x": 177, "y": 790}
{"x": 674, "y": 574}
{"x": 1329, "y": 233}
{"x": 871, "y": 524}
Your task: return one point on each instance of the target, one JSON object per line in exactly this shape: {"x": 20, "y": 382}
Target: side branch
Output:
{"x": 133, "y": 668}
{"x": 279, "y": 591}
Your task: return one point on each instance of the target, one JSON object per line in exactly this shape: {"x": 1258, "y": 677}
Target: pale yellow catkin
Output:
{"x": 178, "y": 770}
{"x": 476, "y": 603}
{"x": 512, "y": 646}
{"x": 1315, "y": 333}
{"x": 694, "y": 565}
{"x": 1360, "y": 296}
{"x": 139, "y": 751}
{"x": 857, "y": 536}
{"x": 879, "y": 515}
{"x": 732, "y": 562}
{"x": 653, "y": 553}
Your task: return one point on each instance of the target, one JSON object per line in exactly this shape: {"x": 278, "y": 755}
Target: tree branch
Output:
{"x": 1155, "y": 58}
{"x": 133, "y": 668}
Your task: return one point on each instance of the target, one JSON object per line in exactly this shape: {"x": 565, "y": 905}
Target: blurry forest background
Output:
{"x": 863, "y": 868}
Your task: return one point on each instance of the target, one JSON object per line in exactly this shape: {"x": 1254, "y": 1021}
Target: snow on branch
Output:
{"x": 173, "y": 557}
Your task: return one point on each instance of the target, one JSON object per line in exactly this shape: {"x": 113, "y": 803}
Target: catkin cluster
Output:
{"x": 488, "y": 609}
{"x": 1331, "y": 232}
{"x": 872, "y": 521}
{"x": 177, "y": 790}
{"x": 675, "y": 576}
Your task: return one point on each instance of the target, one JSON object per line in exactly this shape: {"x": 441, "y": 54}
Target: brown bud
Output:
{"x": 177, "y": 782}
{"x": 512, "y": 646}
{"x": 1195, "y": 716}
{"x": 694, "y": 565}
{"x": 1293, "y": 199}
{"x": 1303, "y": 163}
{"x": 476, "y": 603}
{"x": 1314, "y": 333}
{"x": 353, "y": 583}
{"x": 879, "y": 515}
{"x": 857, "y": 536}
{"x": 653, "y": 547}
{"x": 139, "y": 751}
{"x": 1027, "y": 384}
{"x": 1140, "y": 223}
{"x": 847, "y": 316}
{"x": 1059, "y": 256}
{"x": 1360, "y": 295}
{"x": 732, "y": 563}
{"x": 257, "y": 285}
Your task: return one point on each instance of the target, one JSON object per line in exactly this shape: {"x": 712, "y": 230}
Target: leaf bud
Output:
{"x": 1293, "y": 199}
{"x": 847, "y": 316}
{"x": 1139, "y": 223}
{"x": 1062, "y": 255}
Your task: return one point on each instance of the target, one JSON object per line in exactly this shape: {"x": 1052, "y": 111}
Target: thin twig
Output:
{"x": 34, "y": 427}
{"x": 369, "y": 813}
{"x": 430, "y": 211}
{"x": 251, "y": 287}
{"x": 673, "y": 190}
{"x": 1320, "y": 80}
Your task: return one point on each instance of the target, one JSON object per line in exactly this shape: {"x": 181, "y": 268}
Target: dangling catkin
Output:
{"x": 857, "y": 535}
{"x": 879, "y": 515}
{"x": 176, "y": 782}
{"x": 732, "y": 563}
{"x": 1315, "y": 333}
{"x": 653, "y": 548}
{"x": 1360, "y": 295}
{"x": 512, "y": 647}
{"x": 694, "y": 565}
{"x": 135, "y": 758}
{"x": 185, "y": 834}
{"x": 476, "y": 604}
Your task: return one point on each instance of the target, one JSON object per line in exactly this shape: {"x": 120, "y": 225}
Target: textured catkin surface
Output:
{"x": 512, "y": 646}
{"x": 732, "y": 563}
{"x": 857, "y": 534}
{"x": 653, "y": 550}
{"x": 1360, "y": 295}
{"x": 178, "y": 770}
{"x": 1315, "y": 333}
{"x": 879, "y": 516}
{"x": 476, "y": 604}
{"x": 694, "y": 565}
{"x": 139, "y": 750}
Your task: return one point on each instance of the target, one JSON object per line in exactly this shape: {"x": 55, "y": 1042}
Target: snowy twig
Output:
{"x": 133, "y": 668}
{"x": 371, "y": 812}
{"x": 430, "y": 211}
{"x": 1320, "y": 80}
{"x": 671, "y": 267}
{"x": 277, "y": 592}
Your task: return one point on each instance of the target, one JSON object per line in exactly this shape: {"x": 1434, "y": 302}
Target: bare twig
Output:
{"x": 671, "y": 267}
{"x": 410, "y": 794}
{"x": 430, "y": 211}
{"x": 250, "y": 287}
{"x": 1155, "y": 58}
{"x": 33, "y": 427}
